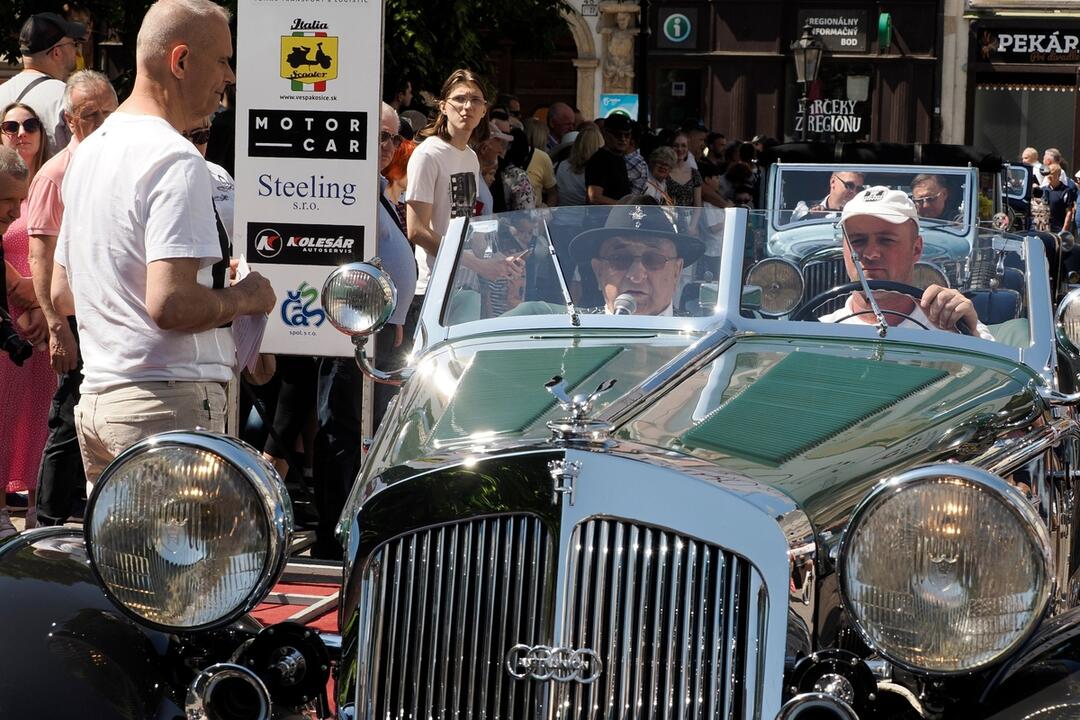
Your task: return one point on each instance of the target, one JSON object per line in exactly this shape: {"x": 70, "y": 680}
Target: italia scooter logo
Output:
{"x": 297, "y": 310}
{"x": 309, "y": 56}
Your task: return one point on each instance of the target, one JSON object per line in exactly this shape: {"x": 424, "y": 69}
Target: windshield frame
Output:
{"x": 1039, "y": 356}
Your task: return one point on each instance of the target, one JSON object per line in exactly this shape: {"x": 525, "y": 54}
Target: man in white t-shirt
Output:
{"x": 49, "y": 46}
{"x": 141, "y": 252}
{"x": 882, "y": 227}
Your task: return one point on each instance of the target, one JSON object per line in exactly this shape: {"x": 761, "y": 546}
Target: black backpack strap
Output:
{"x": 33, "y": 84}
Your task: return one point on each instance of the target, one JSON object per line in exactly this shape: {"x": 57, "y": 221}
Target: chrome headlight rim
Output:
{"x": 756, "y": 267}
{"x": 374, "y": 270}
{"x": 268, "y": 486}
{"x": 1010, "y": 497}
{"x": 1071, "y": 300}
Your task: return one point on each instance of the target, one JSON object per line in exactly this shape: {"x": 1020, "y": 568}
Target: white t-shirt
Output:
{"x": 137, "y": 192}
{"x": 47, "y": 99}
{"x": 435, "y": 172}
{"x": 223, "y": 188}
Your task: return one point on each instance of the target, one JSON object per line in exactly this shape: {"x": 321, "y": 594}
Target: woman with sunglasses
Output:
{"x": 27, "y": 389}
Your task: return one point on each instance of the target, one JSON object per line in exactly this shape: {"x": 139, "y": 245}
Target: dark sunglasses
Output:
{"x": 385, "y": 137}
{"x": 927, "y": 199}
{"x": 848, "y": 185}
{"x": 651, "y": 260}
{"x": 199, "y": 136}
{"x": 11, "y": 127}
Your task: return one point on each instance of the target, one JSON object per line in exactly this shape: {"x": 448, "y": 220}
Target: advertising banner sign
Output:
{"x": 308, "y": 89}
{"x": 621, "y": 103}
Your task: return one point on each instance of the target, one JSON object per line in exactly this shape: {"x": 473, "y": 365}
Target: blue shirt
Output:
{"x": 397, "y": 258}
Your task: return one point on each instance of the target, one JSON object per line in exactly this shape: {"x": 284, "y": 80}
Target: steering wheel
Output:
{"x": 803, "y": 312}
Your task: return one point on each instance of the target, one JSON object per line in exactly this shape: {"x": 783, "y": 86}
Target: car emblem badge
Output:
{"x": 565, "y": 665}
{"x": 637, "y": 215}
{"x": 563, "y": 475}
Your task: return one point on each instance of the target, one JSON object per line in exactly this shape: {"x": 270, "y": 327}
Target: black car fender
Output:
{"x": 1044, "y": 676}
{"x": 67, "y": 650}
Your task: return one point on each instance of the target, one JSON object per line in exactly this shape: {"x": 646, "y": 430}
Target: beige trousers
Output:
{"x": 108, "y": 422}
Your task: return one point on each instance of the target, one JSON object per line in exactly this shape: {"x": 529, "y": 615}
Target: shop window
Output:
{"x": 837, "y": 108}
{"x": 1010, "y": 117}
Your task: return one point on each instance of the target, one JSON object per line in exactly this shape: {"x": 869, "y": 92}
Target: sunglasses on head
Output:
{"x": 385, "y": 137}
{"x": 199, "y": 136}
{"x": 11, "y": 127}
{"x": 651, "y": 259}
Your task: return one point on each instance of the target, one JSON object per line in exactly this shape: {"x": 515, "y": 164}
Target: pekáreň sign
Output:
{"x": 1023, "y": 45}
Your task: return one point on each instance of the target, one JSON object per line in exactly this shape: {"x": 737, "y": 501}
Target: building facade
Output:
{"x": 1019, "y": 77}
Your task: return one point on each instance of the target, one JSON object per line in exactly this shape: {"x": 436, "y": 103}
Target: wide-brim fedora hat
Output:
{"x": 636, "y": 221}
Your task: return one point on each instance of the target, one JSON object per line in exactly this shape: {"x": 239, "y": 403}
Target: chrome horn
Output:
{"x": 226, "y": 691}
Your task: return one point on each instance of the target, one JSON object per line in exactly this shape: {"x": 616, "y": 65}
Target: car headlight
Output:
{"x": 945, "y": 568}
{"x": 188, "y": 530}
{"x": 359, "y": 298}
{"x": 781, "y": 285}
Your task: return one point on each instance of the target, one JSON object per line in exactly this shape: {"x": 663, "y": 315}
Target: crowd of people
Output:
{"x": 1054, "y": 199}
{"x": 124, "y": 288}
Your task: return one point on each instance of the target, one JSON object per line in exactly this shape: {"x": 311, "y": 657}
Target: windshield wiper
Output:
{"x": 882, "y": 326}
{"x": 575, "y": 320}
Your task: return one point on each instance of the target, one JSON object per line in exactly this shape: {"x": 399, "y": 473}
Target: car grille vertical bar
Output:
{"x": 822, "y": 275}
{"x": 446, "y": 603}
{"x": 677, "y": 623}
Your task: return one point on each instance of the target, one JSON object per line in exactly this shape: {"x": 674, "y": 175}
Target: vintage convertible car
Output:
{"x": 727, "y": 509}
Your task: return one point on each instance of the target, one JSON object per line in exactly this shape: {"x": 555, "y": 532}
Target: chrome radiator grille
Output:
{"x": 822, "y": 275}
{"x": 678, "y": 623}
{"x": 440, "y": 608}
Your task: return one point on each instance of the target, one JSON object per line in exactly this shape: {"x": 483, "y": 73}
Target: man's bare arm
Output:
{"x": 596, "y": 196}
{"x": 176, "y": 301}
{"x": 42, "y": 249}
{"x": 60, "y": 292}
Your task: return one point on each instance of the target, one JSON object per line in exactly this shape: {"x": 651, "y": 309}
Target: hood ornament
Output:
{"x": 578, "y": 427}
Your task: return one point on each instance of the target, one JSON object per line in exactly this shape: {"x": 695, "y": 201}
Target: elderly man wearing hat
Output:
{"x": 881, "y": 226}
{"x": 49, "y": 47}
{"x": 637, "y": 257}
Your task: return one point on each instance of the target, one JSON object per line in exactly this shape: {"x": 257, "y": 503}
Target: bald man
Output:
{"x": 560, "y": 121}
{"x": 142, "y": 254}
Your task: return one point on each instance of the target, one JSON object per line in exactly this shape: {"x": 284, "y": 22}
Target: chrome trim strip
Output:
{"x": 1009, "y": 454}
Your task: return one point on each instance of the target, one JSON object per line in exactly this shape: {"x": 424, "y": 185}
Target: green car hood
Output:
{"x": 823, "y": 421}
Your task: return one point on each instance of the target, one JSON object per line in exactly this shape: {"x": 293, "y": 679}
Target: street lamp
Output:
{"x": 807, "y": 51}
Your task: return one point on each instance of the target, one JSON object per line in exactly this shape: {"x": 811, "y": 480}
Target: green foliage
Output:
{"x": 425, "y": 40}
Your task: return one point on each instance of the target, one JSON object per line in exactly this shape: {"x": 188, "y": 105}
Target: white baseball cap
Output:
{"x": 499, "y": 134}
{"x": 881, "y": 202}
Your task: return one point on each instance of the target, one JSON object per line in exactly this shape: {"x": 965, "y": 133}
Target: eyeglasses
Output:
{"x": 464, "y": 100}
{"x": 651, "y": 260}
{"x": 926, "y": 199}
{"x": 848, "y": 185}
{"x": 11, "y": 127}
{"x": 385, "y": 137}
{"x": 198, "y": 136}
{"x": 64, "y": 44}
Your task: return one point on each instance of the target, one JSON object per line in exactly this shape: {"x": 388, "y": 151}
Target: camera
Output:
{"x": 11, "y": 342}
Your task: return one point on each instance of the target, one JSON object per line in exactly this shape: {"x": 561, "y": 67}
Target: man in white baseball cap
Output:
{"x": 881, "y": 226}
